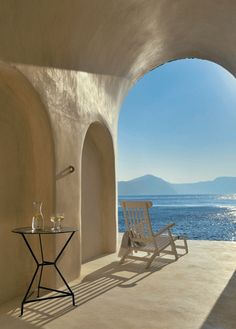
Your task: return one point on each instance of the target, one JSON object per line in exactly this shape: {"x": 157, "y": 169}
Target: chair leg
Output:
{"x": 155, "y": 254}
{"x": 185, "y": 245}
{"x": 125, "y": 255}
{"x": 173, "y": 247}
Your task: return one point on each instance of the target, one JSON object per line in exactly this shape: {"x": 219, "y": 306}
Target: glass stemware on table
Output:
{"x": 57, "y": 221}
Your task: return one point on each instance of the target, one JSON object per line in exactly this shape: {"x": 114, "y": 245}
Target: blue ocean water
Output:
{"x": 200, "y": 217}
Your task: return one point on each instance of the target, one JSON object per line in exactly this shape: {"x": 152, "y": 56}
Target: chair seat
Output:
{"x": 162, "y": 241}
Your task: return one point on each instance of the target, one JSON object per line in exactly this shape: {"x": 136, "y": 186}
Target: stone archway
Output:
{"x": 98, "y": 215}
{"x": 26, "y": 170}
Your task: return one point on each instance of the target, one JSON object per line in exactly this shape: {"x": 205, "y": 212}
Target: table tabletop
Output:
{"x": 46, "y": 230}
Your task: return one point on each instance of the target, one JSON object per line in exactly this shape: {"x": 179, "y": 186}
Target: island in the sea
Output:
{"x": 152, "y": 185}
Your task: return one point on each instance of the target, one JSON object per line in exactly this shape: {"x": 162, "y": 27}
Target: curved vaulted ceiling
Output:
{"x": 124, "y": 38}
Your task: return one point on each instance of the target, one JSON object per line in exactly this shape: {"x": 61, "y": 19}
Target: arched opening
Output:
{"x": 98, "y": 215}
{"x": 26, "y": 170}
{"x": 181, "y": 118}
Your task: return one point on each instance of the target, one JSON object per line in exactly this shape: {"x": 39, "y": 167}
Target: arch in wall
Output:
{"x": 26, "y": 171}
{"x": 221, "y": 189}
{"x": 98, "y": 214}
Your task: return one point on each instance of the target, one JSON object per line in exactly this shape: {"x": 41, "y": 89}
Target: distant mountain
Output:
{"x": 144, "y": 185}
{"x": 152, "y": 185}
{"x": 220, "y": 185}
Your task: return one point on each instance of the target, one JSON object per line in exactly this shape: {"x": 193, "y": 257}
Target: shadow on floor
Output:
{"x": 91, "y": 286}
{"x": 223, "y": 314}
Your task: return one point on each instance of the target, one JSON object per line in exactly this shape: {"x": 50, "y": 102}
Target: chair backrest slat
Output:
{"x": 137, "y": 220}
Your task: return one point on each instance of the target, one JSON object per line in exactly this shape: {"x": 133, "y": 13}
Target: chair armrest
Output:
{"x": 164, "y": 229}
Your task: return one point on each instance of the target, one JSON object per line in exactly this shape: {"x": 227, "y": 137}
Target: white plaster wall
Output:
{"x": 121, "y": 38}
{"x": 98, "y": 206}
{"x": 91, "y": 205}
{"x": 26, "y": 169}
{"x": 14, "y": 187}
{"x": 83, "y": 57}
{"x": 74, "y": 100}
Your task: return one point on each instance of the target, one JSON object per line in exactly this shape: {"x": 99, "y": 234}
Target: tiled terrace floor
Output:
{"x": 196, "y": 292}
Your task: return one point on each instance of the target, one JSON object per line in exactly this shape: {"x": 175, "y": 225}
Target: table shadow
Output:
{"x": 91, "y": 286}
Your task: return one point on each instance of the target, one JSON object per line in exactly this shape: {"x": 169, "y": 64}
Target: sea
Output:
{"x": 200, "y": 217}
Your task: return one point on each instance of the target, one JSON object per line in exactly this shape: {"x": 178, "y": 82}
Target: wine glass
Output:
{"x": 56, "y": 220}
{"x": 60, "y": 217}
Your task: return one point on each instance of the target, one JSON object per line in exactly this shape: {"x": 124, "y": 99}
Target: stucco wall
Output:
{"x": 26, "y": 167}
{"x": 98, "y": 206}
{"x": 121, "y": 38}
{"x": 79, "y": 60}
{"x": 91, "y": 221}
{"x": 75, "y": 100}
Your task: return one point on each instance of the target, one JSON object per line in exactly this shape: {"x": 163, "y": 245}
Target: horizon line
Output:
{"x": 192, "y": 182}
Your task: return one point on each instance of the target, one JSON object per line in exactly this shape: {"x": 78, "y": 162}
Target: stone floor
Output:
{"x": 196, "y": 292}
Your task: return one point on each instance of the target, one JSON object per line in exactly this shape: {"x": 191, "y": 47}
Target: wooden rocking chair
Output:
{"x": 142, "y": 238}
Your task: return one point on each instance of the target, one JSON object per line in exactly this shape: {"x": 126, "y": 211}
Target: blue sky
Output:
{"x": 179, "y": 123}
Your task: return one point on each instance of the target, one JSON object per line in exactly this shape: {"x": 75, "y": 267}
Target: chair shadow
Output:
{"x": 90, "y": 287}
{"x": 223, "y": 313}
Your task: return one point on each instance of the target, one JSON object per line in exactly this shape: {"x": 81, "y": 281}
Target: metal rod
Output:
{"x": 44, "y": 298}
{"x": 28, "y": 290}
{"x": 72, "y": 169}
{"x": 40, "y": 277}
{"x": 41, "y": 247}
{"x": 56, "y": 290}
{"x": 67, "y": 171}
{"x": 41, "y": 269}
{"x": 31, "y": 251}
{"x": 63, "y": 279}
{"x": 64, "y": 247}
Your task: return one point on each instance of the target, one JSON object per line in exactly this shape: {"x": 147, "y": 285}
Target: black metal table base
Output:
{"x": 40, "y": 266}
